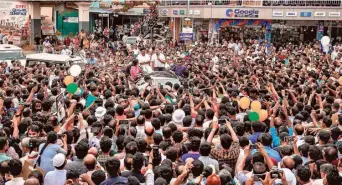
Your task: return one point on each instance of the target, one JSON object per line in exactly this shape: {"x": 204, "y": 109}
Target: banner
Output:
{"x": 242, "y": 22}
{"x": 14, "y": 17}
{"x": 186, "y": 36}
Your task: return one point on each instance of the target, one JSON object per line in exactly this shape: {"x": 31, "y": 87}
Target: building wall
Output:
{"x": 67, "y": 21}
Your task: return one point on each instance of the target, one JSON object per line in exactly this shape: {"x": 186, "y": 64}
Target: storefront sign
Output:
{"x": 277, "y": 14}
{"x": 164, "y": 12}
{"x": 319, "y": 14}
{"x": 175, "y": 12}
{"x": 334, "y": 14}
{"x": 242, "y": 13}
{"x": 305, "y": 14}
{"x": 186, "y": 36}
{"x": 190, "y": 12}
{"x": 70, "y": 19}
{"x": 197, "y": 12}
{"x": 14, "y": 17}
{"x": 181, "y": 12}
{"x": 291, "y": 14}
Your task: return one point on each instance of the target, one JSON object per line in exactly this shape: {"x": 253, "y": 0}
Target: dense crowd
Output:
{"x": 237, "y": 115}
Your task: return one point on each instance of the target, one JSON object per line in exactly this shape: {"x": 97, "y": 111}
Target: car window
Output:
{"x": 131, "y": 40}
{"x": 11, "y": 55}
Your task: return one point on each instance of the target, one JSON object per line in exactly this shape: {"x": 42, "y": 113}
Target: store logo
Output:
{"x": 197, "y": 12}
{"x": 305, "y": 14}
{"x": 181, "y": 12}
{"x": 291, "y": 14}
{"x": 334, "y": 14}
{"x": 163, "y": 11}
{"x": 175, "y": 12}
{"x": 242, "y": 13}
{"x": 319, "y": 14}
{"x": 190, "y": 12}
{"x": 277, "y": 13}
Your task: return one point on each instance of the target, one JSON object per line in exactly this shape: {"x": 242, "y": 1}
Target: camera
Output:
{"x": 221, "y": 121}
{"x": 289, "y": 138}
{"x": 254, "y": 146}
{"x": 156, "y": 155}
{"x": 276, "y": 173}
{"x": 257, "y": 177}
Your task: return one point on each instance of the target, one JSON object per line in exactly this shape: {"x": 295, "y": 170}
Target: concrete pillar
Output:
{"x": 35, "y": 21}
{"x": 177, "y": 26}
{"x": 83, "y": 16}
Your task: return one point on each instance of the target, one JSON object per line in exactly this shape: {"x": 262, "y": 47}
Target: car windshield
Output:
{"x": 131, "y": 40}
{"x": 11, "y": 55}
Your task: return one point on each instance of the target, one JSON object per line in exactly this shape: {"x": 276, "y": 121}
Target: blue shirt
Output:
{"x": 254, "y": 137}
{"x": 92, "y": 61}
{"x": 275, "y": 137}
{"x": 47, "y": 156}
{"x": 115, "y": 180}
{"x": 270, "y": 152}
{"x": 4, "y": 157}
{"x": 194, "y": 155}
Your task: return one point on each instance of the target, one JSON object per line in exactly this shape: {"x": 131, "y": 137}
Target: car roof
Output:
{"x": 7, "y": 47}
{"x": 51, "y": 57}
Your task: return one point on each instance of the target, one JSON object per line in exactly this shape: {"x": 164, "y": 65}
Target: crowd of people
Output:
{"x": 203, "y": 130}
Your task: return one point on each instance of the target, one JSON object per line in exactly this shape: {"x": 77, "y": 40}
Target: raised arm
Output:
{"x": 231, "y": 130}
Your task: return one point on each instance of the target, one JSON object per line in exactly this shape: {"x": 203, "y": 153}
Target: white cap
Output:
{"x": 58, "y": 160}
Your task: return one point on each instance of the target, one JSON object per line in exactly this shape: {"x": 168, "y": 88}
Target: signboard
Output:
{"x": 60, "y": 107}
{"x": 277, "y": 14}
{"x": 251, "y": 3}
{"x": 164, "y": 12}
{"x": 305, "y": 14}
{"x": 334, "y": 14}
{"x": 319, "y": 14}
{"x": 190, "y": 12}
{"x": 70, "y": 19}
{"x": 197, "y": 12}
{"x": 14, "y": 17}
{"x": 182, "y": 12}
{"x": 237, "y": 12}
{"x": 186, "y": 36}
{"x": 291, "y": 14}
{"x": 175, "y": 12}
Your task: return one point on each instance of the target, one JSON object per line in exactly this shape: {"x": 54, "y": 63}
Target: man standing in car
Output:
{"x": 158, "y": 61}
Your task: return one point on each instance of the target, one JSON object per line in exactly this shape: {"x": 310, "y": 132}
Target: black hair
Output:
{"x": 226, "y": 141}
{"x": 15, "y": 167}
{"x": 197, "y": 168}
{"x": 205, "y": 149}
{"x": 98, "y": 177}
{"x": 138, "y": 161}
{"x": 81, "y": 149}
{"x": 304, "y": 173}
{"x": 177, "y": 136}
{"x": 105, "y": 144}
{"x": 112, "y": 167}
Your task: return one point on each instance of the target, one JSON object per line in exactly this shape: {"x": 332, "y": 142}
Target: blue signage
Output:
{"x": 186, "y": 36}
{"x": 242, "y": 13}
{"x": 175, "y": 12}
{"x": 305, "y": 14}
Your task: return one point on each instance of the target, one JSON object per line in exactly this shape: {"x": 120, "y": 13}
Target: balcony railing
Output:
{"x": 326, "y": 3}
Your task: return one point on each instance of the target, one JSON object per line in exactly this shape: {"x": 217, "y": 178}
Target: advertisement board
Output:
{"x": 186, "y": 36}
{"x": 238, "y": 12}
{"x": 14, "y": 17}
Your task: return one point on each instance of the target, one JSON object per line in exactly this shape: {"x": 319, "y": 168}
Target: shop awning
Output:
{"x": 100, "y": 10}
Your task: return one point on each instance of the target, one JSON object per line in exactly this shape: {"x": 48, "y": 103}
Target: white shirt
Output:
{"x": 143, "y": 59}
{"x": 157, "y": 59}
{"x": 66, "y": 52}
{"x": 56, "y": 177}
{"x": 17, "y": 181}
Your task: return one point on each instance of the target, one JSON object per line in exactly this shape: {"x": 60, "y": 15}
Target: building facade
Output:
{"x": 305, "y": 20}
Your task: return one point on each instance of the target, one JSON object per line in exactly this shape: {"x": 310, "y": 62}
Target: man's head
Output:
{"x": 15, "y": 167}
{"x": 90, "y": 162}
{"x": 303, "y": 174}
{"x": 112, "y": 167}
